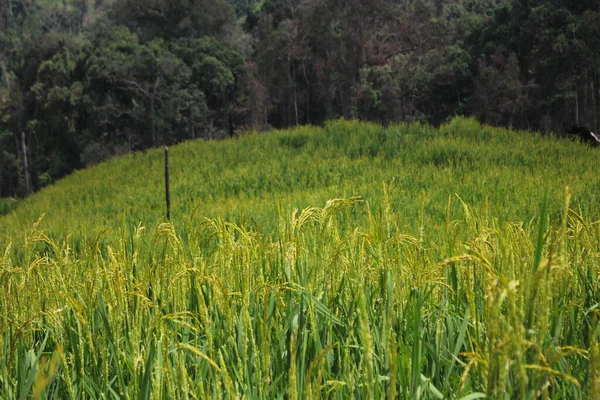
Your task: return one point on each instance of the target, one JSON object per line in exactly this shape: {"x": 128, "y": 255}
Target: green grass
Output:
{"x": 7, "y": 205}
{"x": 496, "y": 171}
{"x": 345, "y": 261}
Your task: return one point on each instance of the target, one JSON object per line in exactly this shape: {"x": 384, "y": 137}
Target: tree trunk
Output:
{"x": 152, "y": 122}
{"x": 439, "y": 8}
{"x": 11, "y": 190}
{"x": 25, "y": 164}
{"x": 230, "y": 102}
{"x": 307, "y": 119}
{"x": 290, "y": 100}
{"x": 307, "y": 93}
{"x": 402, "y": 113}
{"x": 597, "y": 99}
{"x": 296, "y": 105}
{"x": 576, "y": 106}
{"x": 152, "y": 111}
{"x": 191, "y": 129}
{"x": 15, "y": 186}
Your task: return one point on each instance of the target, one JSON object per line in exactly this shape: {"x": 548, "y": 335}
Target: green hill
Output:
{"x": 497, "y": 171}
{"x": 348, "y": 260}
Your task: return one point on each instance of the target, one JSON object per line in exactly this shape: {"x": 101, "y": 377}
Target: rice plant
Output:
{"x": 403, "y": 262}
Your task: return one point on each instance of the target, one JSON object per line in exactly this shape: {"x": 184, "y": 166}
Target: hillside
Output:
{"x": 344, "y": 261}
{"x": 497, "y": 171}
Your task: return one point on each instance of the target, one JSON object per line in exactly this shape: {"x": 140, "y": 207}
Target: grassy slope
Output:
{"x": 503, "y": 172}
{"x": 408, "y": 293}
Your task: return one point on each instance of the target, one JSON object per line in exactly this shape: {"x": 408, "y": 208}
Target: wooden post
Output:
{"x": 168, "y": 195}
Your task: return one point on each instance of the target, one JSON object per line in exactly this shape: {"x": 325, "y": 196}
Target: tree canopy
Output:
{"x": 83, "y": 80}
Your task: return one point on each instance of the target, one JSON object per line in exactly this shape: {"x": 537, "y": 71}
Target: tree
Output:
{"x": 174, "y": 19}
{"x": 500, "y": 97}
{"x": 553, "y": 42}
{"x": 141, "y": 91}
{"x": 219, "y": 73}
{"x": 78, "y": 85}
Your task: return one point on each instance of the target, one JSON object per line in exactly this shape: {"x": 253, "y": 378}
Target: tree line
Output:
{"x": 83, "y": 80}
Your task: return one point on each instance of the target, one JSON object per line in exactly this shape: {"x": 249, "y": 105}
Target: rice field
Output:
{"x": 344, "y": 261}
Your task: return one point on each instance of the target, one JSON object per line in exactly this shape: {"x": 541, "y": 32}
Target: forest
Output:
{"x": 84, "y": 80}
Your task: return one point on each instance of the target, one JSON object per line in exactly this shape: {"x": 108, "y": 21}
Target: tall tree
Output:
{"x": 173, "y": 19}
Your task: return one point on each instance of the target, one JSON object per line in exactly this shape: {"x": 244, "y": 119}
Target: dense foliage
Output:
{"x": 84, "y": 80}
{"x": 348, "y": 261}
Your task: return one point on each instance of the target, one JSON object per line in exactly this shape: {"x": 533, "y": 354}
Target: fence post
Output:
{"x": 167, "y": 192}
